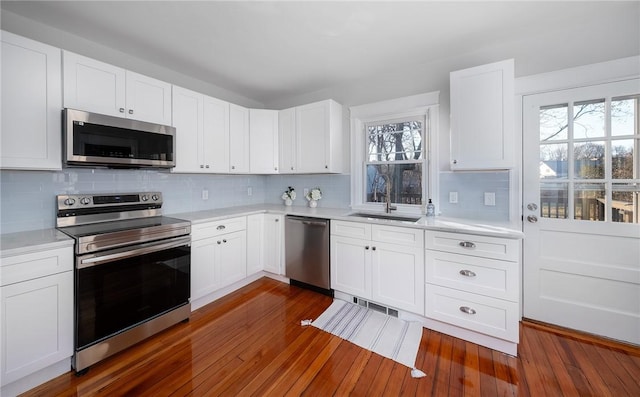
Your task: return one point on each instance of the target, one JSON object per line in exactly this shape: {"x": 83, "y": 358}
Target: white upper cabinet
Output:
{"x": 287, "y": 138}
{"x": 263, "y": 141}
{"x": 216, "y": 134}
{"x": 315, "y": 144}
{"x": 238, "y": 139}
{"x": 482, "y": 125}
{"x": 148, "y": 99}
{"x": 202, "y": 132}
{"x": 99, "y": 87}
{"x": 31, "y": 105}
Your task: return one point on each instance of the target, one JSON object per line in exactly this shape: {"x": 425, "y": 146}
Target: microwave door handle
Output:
{"x": 147, "y": 249}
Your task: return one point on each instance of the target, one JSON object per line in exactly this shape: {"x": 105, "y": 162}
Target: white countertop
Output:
{"x": 33, "y": 240}
{"x": 36, "y": 240}
{"x": 495, "y": 229}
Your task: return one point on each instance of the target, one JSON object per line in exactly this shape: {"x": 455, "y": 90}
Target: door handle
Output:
{"x": 532, "y": 218}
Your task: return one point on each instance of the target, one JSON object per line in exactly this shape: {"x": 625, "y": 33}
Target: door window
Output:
{"x": 589, "y": 168}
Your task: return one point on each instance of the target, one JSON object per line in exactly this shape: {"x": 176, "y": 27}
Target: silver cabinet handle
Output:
{"x": 233, "y": 167}
{"x": 277, "y": 220}
{"x": 206, "y": 166}
{"x": 201, "y": 166}
{"x": 221, "y": 227}
{"x": 218, "y": 241}
{"x": 455, "y": 161}
{"x": 467, "y": 244}
{"x": 467, "y": 273}
{"x": 366, "y": 247}
{"x": 275, "y": 168}
{"x": 130, "y": 111}
{"x": 224, "y": 241}
{"x": 121, "y": 110}
{"x": 532, "y": 218}
{"x": 373, "y": 248}
{"x": 467, "y": 309}
{"x": 291, "y": 168}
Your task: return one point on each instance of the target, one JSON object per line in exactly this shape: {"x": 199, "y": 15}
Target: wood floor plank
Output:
{"x": 250, "y": 342}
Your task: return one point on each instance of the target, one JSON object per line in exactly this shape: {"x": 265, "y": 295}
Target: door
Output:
{"x": 351, "y": 266}
{"x": 581, "y": 185}
{"x": 230, "y": 258}
{"x": 215, "y": 134}
{"x": 263, "y": 141}
{"x": 272, "y": 243}
{"x": 188, "y": 119}
{"x": 238, "y": 139}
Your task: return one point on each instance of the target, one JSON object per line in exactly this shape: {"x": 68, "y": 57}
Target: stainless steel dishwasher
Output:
{"x": 307, "y": 252}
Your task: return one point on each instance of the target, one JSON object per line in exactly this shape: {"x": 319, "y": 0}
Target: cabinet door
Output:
{"x": 231, "y": 258}
{"x": 273, "y": 243}
{"x": 148, "y": 99}
{"x": 93, "y": 86}
{"x": 263, "y": 141}
{"x": 482, "y": 117}
{"x": 238, "y": 139}
{"x": 398, "y": 276}
{"x": 36, "y": 325}
{"x": 351, "y": 266}
{"x": 312, "y": 127}
{"x": 187, "y": 119}
{"x": 31, "y": 103}
{"x": 203, "y": 277}
{"x": 216, "y": 135}
{"x": 255, "y": 239}
{"x": 287, "y": 140}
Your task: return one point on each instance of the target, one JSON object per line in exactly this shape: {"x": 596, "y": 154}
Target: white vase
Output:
{"x": 313, "y": 203}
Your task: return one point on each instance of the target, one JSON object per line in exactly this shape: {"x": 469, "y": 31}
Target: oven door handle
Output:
{"x": 128, "y": 253}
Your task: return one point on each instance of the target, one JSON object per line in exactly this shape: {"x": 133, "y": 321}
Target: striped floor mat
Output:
{"x": 388, "y": 336}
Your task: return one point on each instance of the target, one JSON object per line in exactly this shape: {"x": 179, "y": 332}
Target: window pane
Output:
{"x": 589, "y": 160}
{"x": 623, "y": 116}
{"x": 588, "y": 119}
{"x": 622, "y": 159}
{"x": 553, "y": 161}
{"x": 404, "y": 182}
{"x": 624, "y": 206}
{"x": 589, "y": 201}
{"x": 554, "y": 200}
{"x": 554, "y": 122}
{"x": 395, "y": 141}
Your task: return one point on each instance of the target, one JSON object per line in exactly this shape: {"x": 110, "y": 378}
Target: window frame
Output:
{"x": 425, "y": 106}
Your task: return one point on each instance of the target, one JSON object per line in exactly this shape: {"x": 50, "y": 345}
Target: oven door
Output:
{"x": 119, "y": 289}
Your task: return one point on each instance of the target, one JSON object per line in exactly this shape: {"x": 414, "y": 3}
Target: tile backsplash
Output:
{"x": 27, "y": 198}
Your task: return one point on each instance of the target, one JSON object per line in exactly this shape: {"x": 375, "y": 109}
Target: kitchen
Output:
{"x": 27, "y": 196}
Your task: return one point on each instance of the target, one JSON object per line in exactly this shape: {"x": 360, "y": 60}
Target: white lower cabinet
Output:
{"x": 36, "y": 317}
{"x": 382, "y": 263}
{"x": 473, "y": 282}
{"x": 265, "y": 243}
{"x": 218, "y": 255}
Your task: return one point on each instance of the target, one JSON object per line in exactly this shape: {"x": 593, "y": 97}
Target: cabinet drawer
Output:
{"x": 469, "y": 244}
{"x": 216, "y": 228}
{"x": 351, "y": 229}
{"x": 19, "y": 268}
{"x": 397, "y": 235}
{"x": 490, "y": 316}
{"x": 490, "y": 277}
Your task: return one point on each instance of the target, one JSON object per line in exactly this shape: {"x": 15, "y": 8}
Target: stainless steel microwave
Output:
{"x": 98, "y": 140}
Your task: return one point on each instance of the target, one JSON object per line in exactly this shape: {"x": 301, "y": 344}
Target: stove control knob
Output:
{"x": 144, "y": 197}
{"x": 155, "y": 197}
{"x": 85, "y": 201}
{"x": 69, "y": 201}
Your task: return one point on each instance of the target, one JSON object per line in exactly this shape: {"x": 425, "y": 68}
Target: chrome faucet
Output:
{"x": 388, "y": 207}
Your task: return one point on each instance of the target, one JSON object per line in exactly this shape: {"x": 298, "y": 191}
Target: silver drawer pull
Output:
{"x": 467, "y": 244}
{"x": 467, "y": 309}
{"x": 467, "y": 273}
{"x": 221, "y": 227}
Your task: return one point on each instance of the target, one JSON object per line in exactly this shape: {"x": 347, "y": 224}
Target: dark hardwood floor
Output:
{"x": 251, "y": 343}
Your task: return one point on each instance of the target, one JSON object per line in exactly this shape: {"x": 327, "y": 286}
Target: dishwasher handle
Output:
{"x": 308, "y": 221}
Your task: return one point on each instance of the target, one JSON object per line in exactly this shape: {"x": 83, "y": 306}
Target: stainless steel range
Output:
{"x": 132, "y": 270}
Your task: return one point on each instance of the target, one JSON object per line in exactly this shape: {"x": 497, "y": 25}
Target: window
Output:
{"x": 394, "y": 161}
{"x": 391, "y": 152}
{"x": 589, "y": 159}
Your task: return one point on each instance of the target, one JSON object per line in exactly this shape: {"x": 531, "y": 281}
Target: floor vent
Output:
{"x": 374, "y": 306}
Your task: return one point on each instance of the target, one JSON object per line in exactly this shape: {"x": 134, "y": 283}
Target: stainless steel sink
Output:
{"x": 386, "y": 217}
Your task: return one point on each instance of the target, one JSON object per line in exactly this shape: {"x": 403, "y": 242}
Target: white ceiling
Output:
{"x": 272, "y": 50}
